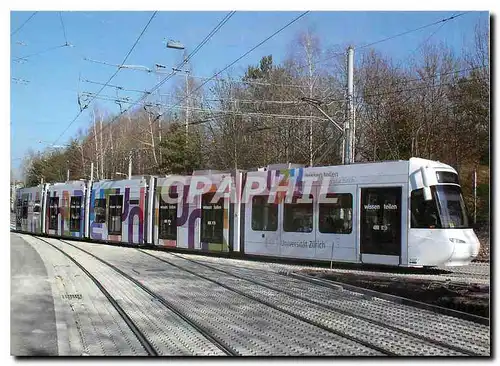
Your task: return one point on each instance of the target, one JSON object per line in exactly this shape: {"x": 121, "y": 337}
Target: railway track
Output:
{"x": 375, "y": 329}
{"x": 407, "y": 341}
{"x": 318, "y": 339}
{"x": 325, "y": 321}
{"x": 148, "y": 347}
{"x": 167, "y": 332}
{"x": 475, "y": 273}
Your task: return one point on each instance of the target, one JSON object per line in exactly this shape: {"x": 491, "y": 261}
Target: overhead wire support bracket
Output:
{"x": 316, "y": 103}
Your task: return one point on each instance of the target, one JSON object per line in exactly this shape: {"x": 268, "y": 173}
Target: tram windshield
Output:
{"x": 446, "y": 210}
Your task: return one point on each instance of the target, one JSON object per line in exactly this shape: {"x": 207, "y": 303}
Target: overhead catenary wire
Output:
{"x": 248, "y": 52}
{"x": 114, "y": 86}
{"x": 429, "y": 37}
{"x": 213, "y": 76}
{"x": 385, "y": 39}
{"x": 411, "y": 31}
{"x": 112, "y": 76}
{"x": 63, "y": 28}
{"x": 228, "y": 100}
{"x": 361, "y": 97}
{"x": 426, "y": 40}
{"x": 412, "y": 89}
{"x": 404, "y": 82}
{"x": 41, "y": 52}
{"x": 251, "y": 82}
{"x": 188, "y": 58}
{"x": 25, "y": 22}
{"x": 192, "y": 54}
{"x": 214, "y": 111}
{"x": 20, "y": 81}
{"x": 128, "y": 67}
{"x": 129, "y": 52}
{"x": 210, "y": 35}
{"x": 223, "y": 21}
{"x": 150, "y": 71}
{"x": 439, "y": 74}
{"x": 441, "y": 21}
{"x": 407, "y": 81}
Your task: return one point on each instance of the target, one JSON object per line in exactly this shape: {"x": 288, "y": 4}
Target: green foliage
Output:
{"x": 262, "y": 71}
{"x": 470, "y": 98}
{"x": 483, "y": 197}
{"x": 51, "y": 167}
{"x": 178, "y": 155}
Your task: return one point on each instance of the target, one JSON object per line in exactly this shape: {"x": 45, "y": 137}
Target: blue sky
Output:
{"x": 42, "y": 109}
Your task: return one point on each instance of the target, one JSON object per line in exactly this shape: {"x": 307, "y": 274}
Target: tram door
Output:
{"x": 380, "y": 224}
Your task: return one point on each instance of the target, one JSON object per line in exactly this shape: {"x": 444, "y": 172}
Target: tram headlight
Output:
{"x": 457, "y": 241}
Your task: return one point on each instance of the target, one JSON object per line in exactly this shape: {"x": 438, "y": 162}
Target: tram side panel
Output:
{"x": 262, "y": 221}
{"x": 195, "y": 221}
{"x": 29, "y": 209}
{"x": 336, "y": 223}
{"x": 293, "y": 228}
{"x": 320, "y": 229}
{"x": 214, "y": 216}
{"x": 65, "y": 212}
{"x": 168, "y": 211}
{"x": 117, "y": 211}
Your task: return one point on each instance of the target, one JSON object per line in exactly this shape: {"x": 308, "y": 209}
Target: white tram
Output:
{"x": 398, "y": 213}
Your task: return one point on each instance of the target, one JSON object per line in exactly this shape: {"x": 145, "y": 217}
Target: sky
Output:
{"x": 44, "y": 107}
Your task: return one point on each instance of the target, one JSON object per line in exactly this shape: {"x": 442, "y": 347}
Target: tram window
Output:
{"x": 447, "y": 177}
{"x": 264, "y": 214}
{"x": 446, "y": 210}
{"x": 74, "y": 211}
{"x": 100, "y": 210}
{"x": 336, "y": 217}
{"x": 168, "y": 218}
{"x": 424, "y": 214}
{"x": 36, "y": 207}
{"x": 298, "y": 217}
{"x": 25, "y": 209}
{"x": 53, "y": 212}
{"x": 212, "y": 219}
{"x": 19, "y": 206}
{"x": 115, "y": 214}
{"x": 451, "y": 206}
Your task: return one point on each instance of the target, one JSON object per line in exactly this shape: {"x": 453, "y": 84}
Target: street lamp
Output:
{"x": 178, "y": 46}
{"x": 175, "y": 44}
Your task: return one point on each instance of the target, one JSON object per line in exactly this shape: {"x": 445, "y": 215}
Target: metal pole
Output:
{"x": 310, "y": 119}
{"x": 91, "y": 171}
{"x": 67, "y": 176}
{"x": 350, "y": 107}
{"x": 475, "y": 195}
{"x": 331, "y": 257}
{"x": 353, "y": 132}
{"x": 187, "y": 105}
{"x": 159, "y": 98}
{"x": 130, "y": 165}
{"x": 342, "y": 147}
